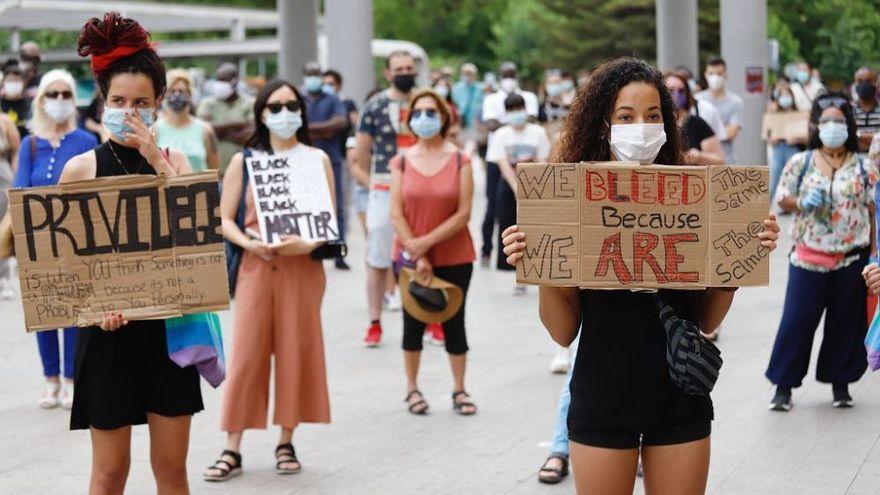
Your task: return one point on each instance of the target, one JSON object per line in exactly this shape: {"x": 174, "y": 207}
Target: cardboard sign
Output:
{"x": 292, "y": 196}
{"x": 622, "y": 225}
{"x": 148, "y": 247}
{"x": 793, "y": 127}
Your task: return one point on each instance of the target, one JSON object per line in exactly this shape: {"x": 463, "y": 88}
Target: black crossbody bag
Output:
{"x": 694, "y": 361}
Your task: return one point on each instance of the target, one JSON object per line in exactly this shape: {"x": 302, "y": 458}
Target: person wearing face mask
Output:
{"x": 626, "y": 113}
{"x": 703, "y": 147}
{"x": 866, "y": 108}
{"x": 467, "y": 94}
{"x": 13, "y": 102}
{"x": 54, "y": 140}
{"x": 382, "y": 133}
{"x": 229, "y": 112}
{"x": 729, "y": 105}
{"x": 328, "y": 120}
{"x": 123, "y": 375}
{"x": 783, "y": 148}
{"x": 804, "y": 88}
{"x": 30, "y": 57}
{"x": 493, "y": 117}
{"x": 431, "y": 194}
{"x": 278, "y": 296}
{"x": 178, "y": 129}
{"x": 830, "y": 190}
{"x": 443, "y": 87}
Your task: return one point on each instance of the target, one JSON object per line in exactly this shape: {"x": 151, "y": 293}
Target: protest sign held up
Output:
{"x": 144, "y": 246}
{"x": 292, "y": 197}
{"x": 614, "y": 225}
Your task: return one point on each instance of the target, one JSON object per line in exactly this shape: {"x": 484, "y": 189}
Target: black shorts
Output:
{"x": 626, "y": 438}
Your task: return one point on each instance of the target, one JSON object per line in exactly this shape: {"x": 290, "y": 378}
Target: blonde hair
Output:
{"x": 175, "y": 75}
{"x": 40, "y": 121}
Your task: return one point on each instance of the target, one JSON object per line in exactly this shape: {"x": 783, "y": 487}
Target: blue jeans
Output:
{"x": 782, "y": 152}
{"x": 47, "y": 342}
{"x": 560, "y": 429}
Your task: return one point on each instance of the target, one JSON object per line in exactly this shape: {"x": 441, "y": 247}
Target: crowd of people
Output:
{"x": 401, "y": 162}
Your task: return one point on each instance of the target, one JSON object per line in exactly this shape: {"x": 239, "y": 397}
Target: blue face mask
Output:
{"x": 313, "y": 83}
{"x": 329, "y": 89}
{"x": 284, "y": 124}
{"x": 114, "y": 120}
{"x": 516, "y": 118}
{"x": 425, "y": 126}
{"x": 833, "y": 134}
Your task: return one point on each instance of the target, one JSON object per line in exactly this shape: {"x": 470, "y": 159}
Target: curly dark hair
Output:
{"x": 584, "y": 137}
{"x": 842, "y": 103}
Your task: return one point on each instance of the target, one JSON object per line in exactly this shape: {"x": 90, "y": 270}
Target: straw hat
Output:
{"x": 425, "y": 304}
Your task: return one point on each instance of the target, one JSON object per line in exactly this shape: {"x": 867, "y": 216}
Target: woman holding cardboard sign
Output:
{"x": 431, "y": 193}
{"x": 624, "y": 399}
{"x": 278, "y": 292}
{"x": 124, "y": 376}
{"x": 830, "y": 190}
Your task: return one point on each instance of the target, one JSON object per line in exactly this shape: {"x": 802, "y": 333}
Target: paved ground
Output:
{"x": 374, "y": 446}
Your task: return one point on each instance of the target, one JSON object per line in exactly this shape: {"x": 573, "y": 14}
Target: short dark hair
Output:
{"x": 397, "y": 53}
{"x": 716, "y": 61}
{"x": 11, "y": 67}
{"x": 514, "y": 100}
{"x": 852, "y": 141}
{"x": 335, "y": 75}
{"x": 260, "y": 138}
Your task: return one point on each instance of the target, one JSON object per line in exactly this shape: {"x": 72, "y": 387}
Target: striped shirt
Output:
{"x": 868, "y": 122}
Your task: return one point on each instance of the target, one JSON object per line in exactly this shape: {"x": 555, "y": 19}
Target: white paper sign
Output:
{"x": 291, "y": 196}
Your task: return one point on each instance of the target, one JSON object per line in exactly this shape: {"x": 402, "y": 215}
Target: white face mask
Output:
{"x": 13, "y": 89}
{"x": 222, "y": 90}
{"x": 715, "y": 81}
{"x": 509, "y": 85}
{"x": 59, "y": 110}
{"x": 637, "y": 142}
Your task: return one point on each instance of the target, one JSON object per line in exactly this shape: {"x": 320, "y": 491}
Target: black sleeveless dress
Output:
{"x": 120, "y": 376}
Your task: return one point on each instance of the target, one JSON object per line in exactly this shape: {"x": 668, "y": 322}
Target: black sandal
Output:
{"x": 414, "y": 407}
{"x": 226, "y": 469}
{"x": 458, "y": 406}
{"x": 557, "y": 474}
{"x": 285, "y": 453}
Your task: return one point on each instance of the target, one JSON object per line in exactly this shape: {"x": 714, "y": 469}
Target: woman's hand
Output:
{"x": 693, "y": 156}
{"x": 141, "y": 138}
{"x": 871, "y": 273}
{"x": 260, "y": 248}
{"x": 514, "y": 244}
{"x": 112, "y": 322}
{"x": 425, "y": 271}
{"x": 770, "y": 234}
{"x": 293, "y": 245}
{"x": 417, "y": 246}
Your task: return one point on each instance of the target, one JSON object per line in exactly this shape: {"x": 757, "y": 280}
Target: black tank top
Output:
{"x": 107, "y": 164}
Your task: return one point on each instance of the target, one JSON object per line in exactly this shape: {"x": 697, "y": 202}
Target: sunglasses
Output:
{"x": 292, "y": 105}
{"x": 429, "y": 113}
{"x": 831, "y": 101}
{"x": 825, "y": 120}
{"x": 55, "y": 94}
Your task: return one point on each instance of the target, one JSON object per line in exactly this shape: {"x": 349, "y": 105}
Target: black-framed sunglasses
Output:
{"x": 831, "y": 101}
{"x": 55, "y": 94}
{"x": 292, "y": 105}
{"x": 431, "y": 113}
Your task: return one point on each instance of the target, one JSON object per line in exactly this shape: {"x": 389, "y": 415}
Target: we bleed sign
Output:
{"x": 613, "y": 225}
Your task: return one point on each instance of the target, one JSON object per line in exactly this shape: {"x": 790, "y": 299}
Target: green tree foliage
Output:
{"x": 518, "y": 38}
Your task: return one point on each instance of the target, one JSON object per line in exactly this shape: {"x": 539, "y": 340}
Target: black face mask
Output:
{"x": 177, "y": 101}
{"x": 866, "y": 91}
{"x": 404, "y": 82}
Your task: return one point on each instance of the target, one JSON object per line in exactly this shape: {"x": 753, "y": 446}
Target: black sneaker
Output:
{"x": 782, "y": 400}
{"x": 842, "y": 399}
{"x": 341, "y": 264}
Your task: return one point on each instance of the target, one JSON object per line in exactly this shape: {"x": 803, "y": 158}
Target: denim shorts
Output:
{"x": 361, "y": 196}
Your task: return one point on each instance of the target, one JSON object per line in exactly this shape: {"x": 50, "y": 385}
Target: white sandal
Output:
{"x": 49, "y": 400}
{"x": 67, "y": 395}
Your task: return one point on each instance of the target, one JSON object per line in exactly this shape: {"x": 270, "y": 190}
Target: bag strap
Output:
{"x": 458, "y": 159}
{"x": 807, "y": 162}
{"x": 242, "y": 203}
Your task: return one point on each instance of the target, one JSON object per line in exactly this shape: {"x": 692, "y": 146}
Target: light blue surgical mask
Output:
{"x": 803, "y": 76}
{"x": 313, "y": 84}
{"x": 425, "y": 126}
{"x": 329, "y": 89}
{"x": 284, "y": 124}
{"x": 114, "y": 120}
{"x": 516, "y": 118}
{"x": 833, "y": 134}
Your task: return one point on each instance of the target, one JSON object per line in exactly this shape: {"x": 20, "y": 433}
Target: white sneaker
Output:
{"x": 6, "y": 291}
{"x": 520, "y": 290}
{"x": 49, "y": 400}
{"x": 67, "y": 395}
{"x": 561, "y": 361}
{"x": 392, "y": 302}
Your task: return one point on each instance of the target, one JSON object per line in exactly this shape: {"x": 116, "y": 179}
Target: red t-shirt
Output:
{"x": 428, "y": 202}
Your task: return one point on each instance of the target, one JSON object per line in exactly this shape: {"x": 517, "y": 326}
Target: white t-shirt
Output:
{"x": 493, "y": 105}
{"x": 517, "y": 145}
{"x": 729, "y": 105}
{"x": 709, "y": 113}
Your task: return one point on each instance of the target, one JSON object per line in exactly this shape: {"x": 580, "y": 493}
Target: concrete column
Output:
{"x": 298, "y": 34}
{"x": 744, "y": 48}
{"x": 14, "y": 40}
{"x": 349, "y": 31}
{"x": 237, "y": 33}
{"x": 677, "y": 39}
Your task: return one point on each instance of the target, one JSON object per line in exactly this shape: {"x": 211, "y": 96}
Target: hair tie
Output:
{"x": 100, "y": 63}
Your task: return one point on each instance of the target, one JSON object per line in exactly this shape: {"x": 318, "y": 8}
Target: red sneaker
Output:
{"x": 435, "y": 334}
{"x": 374, "y": 336}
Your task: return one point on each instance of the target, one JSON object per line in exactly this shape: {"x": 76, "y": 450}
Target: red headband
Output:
{"x": 100, "y": 62}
